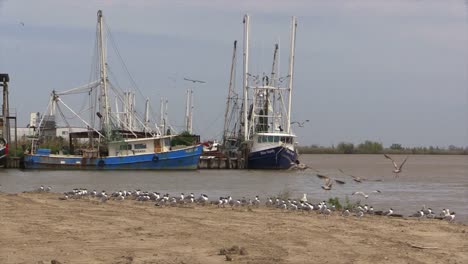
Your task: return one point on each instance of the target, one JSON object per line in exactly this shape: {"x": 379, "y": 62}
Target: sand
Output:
{"x": 39, "y": 228}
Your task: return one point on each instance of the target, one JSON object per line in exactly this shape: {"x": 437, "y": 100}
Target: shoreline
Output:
{"x": 40, "y": 227}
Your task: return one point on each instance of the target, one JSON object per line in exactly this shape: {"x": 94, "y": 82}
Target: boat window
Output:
{"x": 259, "y": 139}
{"x": 125, "y": 147}
{"x": 270, "y": 138}
{"x": 276, "y": 139}
{"x": 139, "y": 146}
{"x": 283, "y": 139}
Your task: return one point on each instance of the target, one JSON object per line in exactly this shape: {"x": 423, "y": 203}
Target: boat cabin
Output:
{"x": 140, "y": 146}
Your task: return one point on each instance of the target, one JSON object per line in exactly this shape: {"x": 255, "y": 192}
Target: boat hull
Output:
{"x": 181, "y": 159}
{"x": 272, "y": 158}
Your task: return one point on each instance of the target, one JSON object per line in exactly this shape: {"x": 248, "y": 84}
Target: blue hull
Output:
{"x": 181, "y": 159}
{"x": 274, "y": 158}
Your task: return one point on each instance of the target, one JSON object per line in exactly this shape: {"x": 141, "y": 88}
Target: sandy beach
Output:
{"x": 38, "y": 227}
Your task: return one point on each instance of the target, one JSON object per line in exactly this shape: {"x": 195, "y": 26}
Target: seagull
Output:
{"x": 345, "y": 213}
{"x": 328, "y": 182}
{"x": 397, "y": 168}
{"x": 359, "y": 214}
{"x": 300, "y": 124}
{"x": 356, "y": 178}
{"x": 364, "y": 194}
{"x": 304, "y": 198}
{"x": 450, "y": 217}
{"x": 419, "y": 214}
{"x": 389, "y": 212}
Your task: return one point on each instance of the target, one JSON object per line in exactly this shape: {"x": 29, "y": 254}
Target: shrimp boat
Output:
{"x": 110, "y": 140}
{"x": 268, "y": 139}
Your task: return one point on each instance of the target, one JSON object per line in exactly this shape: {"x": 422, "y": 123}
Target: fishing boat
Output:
{"x": 111, "y": 140}
{"x": 3, "y": 152}
{"x": 269, "y": 142}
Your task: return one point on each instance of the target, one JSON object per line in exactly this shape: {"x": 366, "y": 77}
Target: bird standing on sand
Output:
{"x": 389, "y": 212}
{"x": 328, "y": 182}
{"x": 397, "y": 168}
{"x": 450, "y": 217}
{"x": 304, "y": 198}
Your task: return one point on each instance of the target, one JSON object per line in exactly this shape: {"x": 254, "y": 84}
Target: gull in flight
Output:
{"x": 328, "y": 182}
{"x": 356, "y": 178}
{"x": 365, "y": 194}
{"x": 397, "y": 168}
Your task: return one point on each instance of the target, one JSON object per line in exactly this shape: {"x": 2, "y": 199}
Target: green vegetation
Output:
{"x": 285, "y": 194}
{"x": 185, "y": 139}
{"x": 336, "y": 202}
{"x": 372, "y": 147}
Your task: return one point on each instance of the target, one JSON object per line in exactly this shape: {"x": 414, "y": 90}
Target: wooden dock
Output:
{"x": 223, "y": 163}
{"x": 13, "y": 163}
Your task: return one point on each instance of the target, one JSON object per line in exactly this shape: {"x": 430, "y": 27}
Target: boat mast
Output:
{"x": 188, "y": 110}
{"x": 246, "y": 70}
{"x": 230, "y": 92}
{"x": 274, "y": 66}
{"x": 104, "y": 101}
{"x": 161, "y": 116}
{"x": 147, "y": 114}
{"x": 291, "y": 71}
{"x": 117, "y": 111}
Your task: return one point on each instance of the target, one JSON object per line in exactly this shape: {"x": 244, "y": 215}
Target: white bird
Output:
{"x": 364, "y": 194}
{"x": 450, "y": 217}
{"x": 345, "y": 213}
{"x": 389, "y": 212}
{"x": 304, "y": 198}
{"x": 328, "y": 182}
{"x": 256, "y": 201}
{"x": 48, "y": 189}
{"x": 399, "y": 168}
{"x": 359, "y": 214}
{"x": 419, "y": 214}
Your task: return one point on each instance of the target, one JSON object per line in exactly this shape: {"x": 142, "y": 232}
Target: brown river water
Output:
{"x": 437, "y": 181}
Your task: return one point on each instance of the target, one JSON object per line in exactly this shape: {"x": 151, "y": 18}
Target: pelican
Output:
{"x": 397, "y": 168}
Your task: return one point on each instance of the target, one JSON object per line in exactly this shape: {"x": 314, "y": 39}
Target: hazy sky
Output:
{"x": 391, "y": 71}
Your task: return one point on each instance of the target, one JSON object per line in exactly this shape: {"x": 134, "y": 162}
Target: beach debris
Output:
{"x": 234, "y": 250}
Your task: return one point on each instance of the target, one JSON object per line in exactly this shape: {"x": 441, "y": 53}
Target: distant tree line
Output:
{"x": 372, "y": 147}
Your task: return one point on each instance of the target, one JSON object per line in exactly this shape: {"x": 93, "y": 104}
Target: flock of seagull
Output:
{"x": 298, "y": 205}
{"x": 302, "y": 204}
{"x": 328, "y": 181}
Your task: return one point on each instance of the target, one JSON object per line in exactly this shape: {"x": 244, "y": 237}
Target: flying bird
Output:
{"x": 356, "y": 178}
{"x": 365, "y": 194}
{"x": 397, "y": 169}
{"x": 328, "y": 182}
